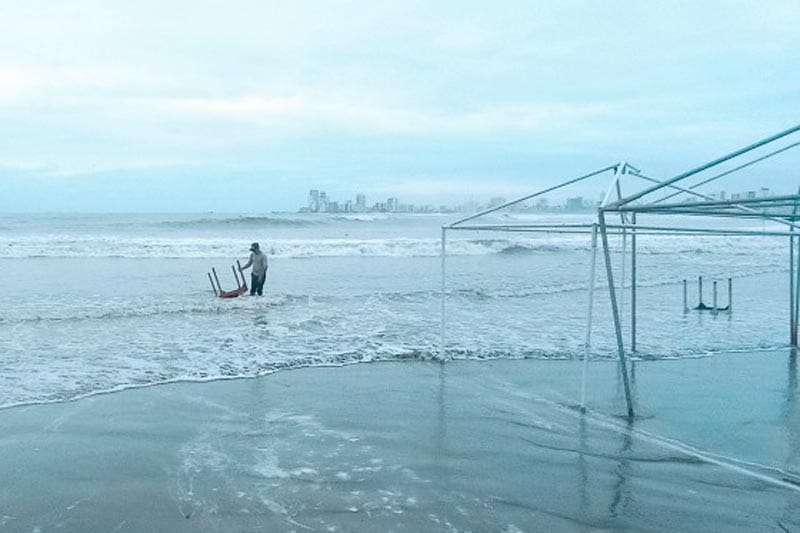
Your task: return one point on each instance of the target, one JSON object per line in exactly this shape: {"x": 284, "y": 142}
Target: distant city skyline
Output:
{"x": 319, "y": 202}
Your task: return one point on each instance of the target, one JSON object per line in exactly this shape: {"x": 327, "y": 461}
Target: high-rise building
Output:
{"x": 323, "y": 202}
{"x": 575, "y": 203}
{"x": 361, "y": 203}
{"x": 496, "y": 201}
{"x": 313, "y": 200}
{"x": 391, "y": 205}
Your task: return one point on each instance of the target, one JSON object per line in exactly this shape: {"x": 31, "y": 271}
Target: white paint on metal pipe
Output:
{"x": 735, "y": 169}
{"x": 796, "y": 296}
{"x": 588, "y": 343}
{"x": 736, "y": 206}
{"x": 442, "y": 350}
{"x": 534, "y": 195}
{"x": 708, "y": 165}
{"x": 623, "y": 367}
{"x": 792, "y": 315}
{"x": 797, "y": 293}
{"x": 633, "y": 283}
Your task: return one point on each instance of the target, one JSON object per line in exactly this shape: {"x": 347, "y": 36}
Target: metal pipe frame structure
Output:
{"x": 585, "y": 229}
{"x": 773, "y": 209}
{"x": 460, "y": 225}
{"x": 705, "y": 166}
{"x": 592, "y": 228}
{"x": 588, "y": 342}
{"x": 778, "y": 210}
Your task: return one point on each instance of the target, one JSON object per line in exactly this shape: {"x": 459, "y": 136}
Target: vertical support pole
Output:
{"x": 796, "y": 293}
{"x": 623, "y": 278}
{"x": 444, "y": 254}
{"x": 714, "y": 308}
{"x": 700, "y": 291}
{"x": 213, "y": 287}
{"x": 792, "y": 315}
{"x": 730, "y": 295}
{"x": 615, "y": 312}
{"x": 588, "y": 344}
{"x": 623, "y": 222}
{"x": 633, "y": 283}
{"x": 685, "y": 300}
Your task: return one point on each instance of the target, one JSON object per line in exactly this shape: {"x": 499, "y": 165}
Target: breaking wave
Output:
{"x": 199, "y": 247}
{"x": 249, "y": 221}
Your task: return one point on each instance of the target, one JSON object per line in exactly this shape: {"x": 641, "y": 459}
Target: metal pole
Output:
{"x": 714, "y": 309}
{"x": 588, "y": 343}
{"x": 793, "y": 289}
{"x": 640, "y": 229}
{"x": 705, "y": 166}
{"x": 700, "y": 290}
{"x": 792, "y": 317}
{"x": 615, "y": 312}
{"x": 633, "y": 283}
{"x": 796, "y": 295}
{"x": 731, "y": 171}
{"x": 622, "y": 275}
{"x": 214, "y": 270}
{"x": 213, "y": 287}
{"x": 711, "y": 198}
{"x": 623, "y": 222}
{"x": 534, "y": 195}
{"x": 730, "y": 295}
{"x": 685, "y": 301}
{"x": 444, "y": 254}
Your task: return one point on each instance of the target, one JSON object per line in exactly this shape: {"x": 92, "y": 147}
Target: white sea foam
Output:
{"x": 74, "y": 328}
{"x": 91, "y": 246}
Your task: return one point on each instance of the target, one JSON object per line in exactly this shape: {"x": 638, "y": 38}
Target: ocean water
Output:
{"x": 96, "y": 303}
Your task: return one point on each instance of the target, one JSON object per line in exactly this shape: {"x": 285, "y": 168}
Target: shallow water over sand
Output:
{"x": 465, "y": 446}
{"x": 101, "y": 302}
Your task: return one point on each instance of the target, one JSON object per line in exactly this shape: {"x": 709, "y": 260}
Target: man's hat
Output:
{"x": 254, "y": 247}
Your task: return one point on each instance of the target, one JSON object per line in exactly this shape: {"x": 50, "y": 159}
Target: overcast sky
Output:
{"x": 245, "y": 105}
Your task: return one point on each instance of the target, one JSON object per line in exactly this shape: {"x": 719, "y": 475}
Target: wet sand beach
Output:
{"x": 419, "y": 446}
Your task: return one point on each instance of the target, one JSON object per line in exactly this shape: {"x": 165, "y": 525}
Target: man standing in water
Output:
{"x": 259, "y": 263}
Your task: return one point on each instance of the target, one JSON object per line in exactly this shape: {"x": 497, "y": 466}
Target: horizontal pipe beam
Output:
{"x": 738, "y": 205}
{"x": 542, "y": 226}
{"x": 640, "y": 229}
{"x": 778, "y": 200}
{"x": 720, "y": 214}
{"x": 528, "y": 197}
{"x": 705, "y": 166}
{"x": 731, "y": 171}
{"x": 705, "y": 231}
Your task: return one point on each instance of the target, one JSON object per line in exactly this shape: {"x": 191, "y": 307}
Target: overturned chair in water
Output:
{"x": 714, "y": 307}
{"x": 241, "y": 285}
